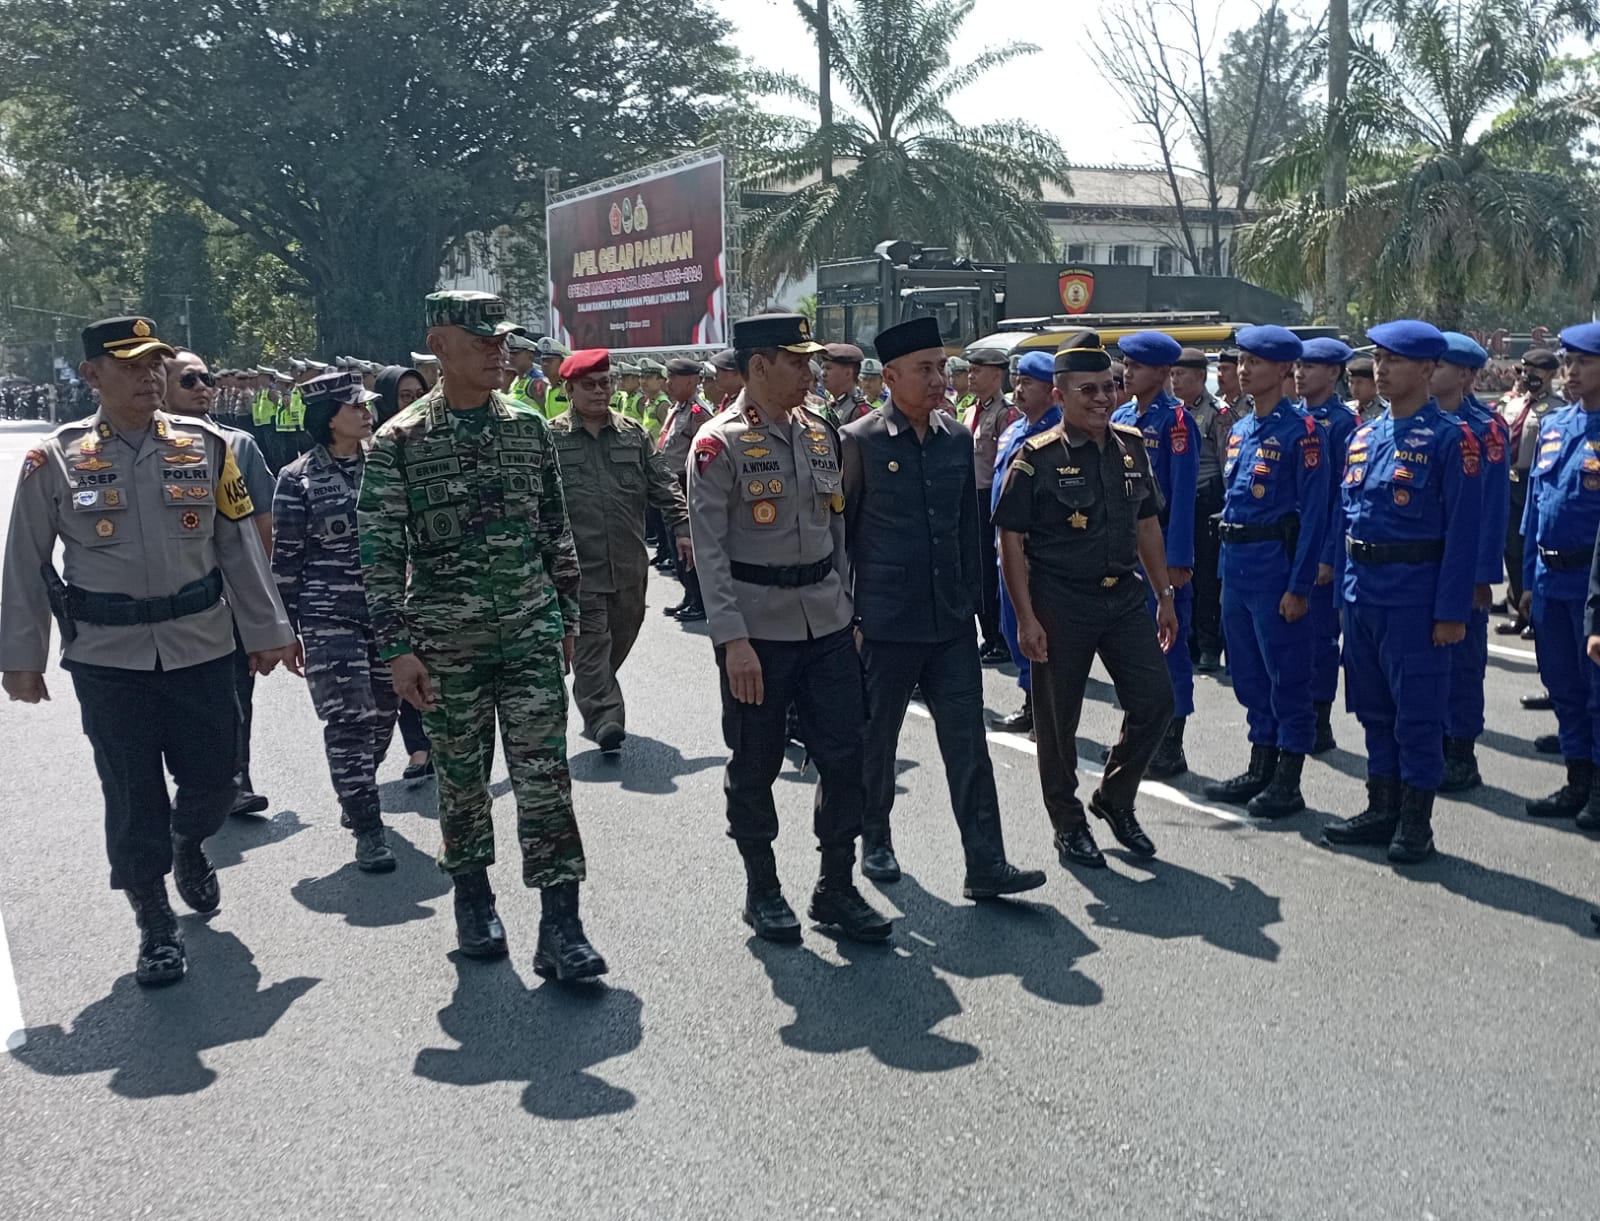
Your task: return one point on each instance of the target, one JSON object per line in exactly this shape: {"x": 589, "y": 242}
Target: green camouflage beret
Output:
{"x": 482, "y": 314}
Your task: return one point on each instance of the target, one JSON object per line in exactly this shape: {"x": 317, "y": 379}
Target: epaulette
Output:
{"x": 1127, "y": 430}
{"x": 62, "y": 430}
{"x": 1040, "y": 439}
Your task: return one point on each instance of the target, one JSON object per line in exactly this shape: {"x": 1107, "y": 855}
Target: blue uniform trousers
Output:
{"x": 1008, "y": 629}
{"x": 1324, "y": 644}
{"x": 1469, "y": 664}
{"x": 1180, "y": 665}
{"x": 1395, "y": 683}
{"x": 1571, "y": 678}
{"x": 1270, "y": 661}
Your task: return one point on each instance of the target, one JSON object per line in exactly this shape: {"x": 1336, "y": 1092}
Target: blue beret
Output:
{"x": 1275, "y": 343}
{"x": 1151, "y": 348}
{"x": 1585, "y": 337}
{"x": 1325, "y": 351}
{"x": 1409, "y": 338}
{"x": 1041, "y": 366}
{"x": 1463, "y": 351}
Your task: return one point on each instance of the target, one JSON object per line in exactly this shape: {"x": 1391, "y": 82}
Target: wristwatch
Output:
{"x": 1168, "y": 592}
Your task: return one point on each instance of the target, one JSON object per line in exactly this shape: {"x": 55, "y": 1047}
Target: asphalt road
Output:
{"x": 1250, "y": 1026}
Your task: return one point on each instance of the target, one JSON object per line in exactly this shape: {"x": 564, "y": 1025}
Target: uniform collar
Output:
{"x": 896, "y": 420}
{"x": 1048, "y": 420}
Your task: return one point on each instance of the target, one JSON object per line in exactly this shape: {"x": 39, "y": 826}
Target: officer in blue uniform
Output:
{"x": 1033, "y": 389}
{"x": 1316, "y": 381}
{"x": 1412, "y": 500}
{"x": 1172, "y": 441}
{"x": 1469, "y": 660}
{"x": 1558, "y": 531}
{"x": 1273, "y": 529}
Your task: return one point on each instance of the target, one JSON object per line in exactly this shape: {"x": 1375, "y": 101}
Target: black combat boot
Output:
{"x": 1123, "y": 825}
{"x": 1169, "y": 759}
{"x": 373, "y": 854}
{"x": 1589, "y": 817}
{"x": 1571, "y": 797}
{"x": 1413, "y": 837}
{"x": 765, "y": 909}
{"x": 248, "y": 801}
{"x": 1324, "y": 739}
{"x": 1460, "y": 766}
{"x": 1281, "y": 797}
{"x": 479, "y": 932}
{"x": 878, "y": 860}
{"x": 836, "y": 901}
{"x": 193, "y": 875}
{"x": 564, "y": 952}
{"x": 1241, "y": 788}
{"x": 160, "y": 958}
{"x": 1020, "y": 721}
{"x": 1376, "y": 823}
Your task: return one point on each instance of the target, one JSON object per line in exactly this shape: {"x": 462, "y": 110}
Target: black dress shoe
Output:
{"x": 1209, "y": 663}
{"x": 416, "y": 773}
{"x": 691, "y": 614}
{"x": 249, "y": 803}
{"x": 769, "y": 914}
{"x": 1537, "y": 703}
{"x": 1007, "y": 880}
{"x": 609, "y": 737}
{"x": 841, "y": 905}
{"x": 878, "y": 861}
{"x": 1123, "y": 825}
{"x": 672, "y": 611}
{"x": 1509, "y": 629}
{"x": 1548, "y": 744}
{"x": 1076, "y": 846}
{"x": 193, "y": 875}
{"x": 994, "y": 654}
{"x": 1020, "y": 721}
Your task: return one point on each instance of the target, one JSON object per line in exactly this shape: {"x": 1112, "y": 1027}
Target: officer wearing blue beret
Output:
{"x": 1172, "y": 441}
{"x": 1316, "y": 381}
{"x": 1558, "y": 529}
{"x": 1273, "y": 528}
{"x": 1469, "y": 660}
{"x": 1412, "y": 500}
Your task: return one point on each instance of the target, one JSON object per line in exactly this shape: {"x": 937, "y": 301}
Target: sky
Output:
{"x": 1076, "y": 105}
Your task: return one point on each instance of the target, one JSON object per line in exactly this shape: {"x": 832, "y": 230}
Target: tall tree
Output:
{"x": 904, "y": 167}
{"x": 1442, "y": 202}
{"x": 1336, "y": 171}
{"x": 354, "y": 139}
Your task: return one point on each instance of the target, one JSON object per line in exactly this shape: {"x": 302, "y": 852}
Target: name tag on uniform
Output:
{"x": 518, "y": 457}
{"x": 435, "y": 469}
{"x": 1072, "y": 481}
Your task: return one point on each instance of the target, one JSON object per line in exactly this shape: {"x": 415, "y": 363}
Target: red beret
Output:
{"x": 590, "y": 360}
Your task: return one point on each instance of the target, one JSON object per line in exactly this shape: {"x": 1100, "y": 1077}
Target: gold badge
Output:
{"x": 1591, "y": 483}
{"x": 105, "y": 527}
{"x": 174, "y": 492}
{"x": 198, "y": 493}
{"x": 89, "y": 447}
{"x": 1258, "y": 490}
{"x": 757, "y": 452}
{"x": 161, "y": 429}
{"x": 775, "y": 487}
{"x": 749, "y": 437}
{"x": 104, "y": 430}
{"x": 182, "y": 459}
{"x": 190, "y": 520}
{"x": 182, "y": 442}
{"x": 1402, "y": 497}
{"x": 836, "y": 502}
{"x": 754, "y": 487}
{"x": 141, "y": 328}
{"x": 1078, "y": 521}
{"x": 1127, "y": 460}
{"x": 112, "y": 497}
{"x": 765, "y": 512}
{"x": 816, "y": 434}
{"x": 894, "y": 466}
{"x": 820, "y": 449}
{"x": 91, "y": 464}
{"x": 1069, "y": 470}
{"x": 1109, "y": 582}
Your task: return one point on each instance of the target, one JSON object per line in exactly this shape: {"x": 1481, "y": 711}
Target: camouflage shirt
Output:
{"x": 464, "y": 526}
{"x": 316, "y": 559}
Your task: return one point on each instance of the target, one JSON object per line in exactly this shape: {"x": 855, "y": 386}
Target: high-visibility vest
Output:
{"x": 555, "y": 402}
{"x": 521, "y": 388}
{"x": 263, "y": 410}
{"x": 292, "y": 412}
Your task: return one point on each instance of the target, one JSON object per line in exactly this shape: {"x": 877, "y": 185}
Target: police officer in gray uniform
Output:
{"x": 155, "y": 521}
{"x": 687, "y": 415}
{"x": 766, "y": 513}
{"x": 316, "y": 560}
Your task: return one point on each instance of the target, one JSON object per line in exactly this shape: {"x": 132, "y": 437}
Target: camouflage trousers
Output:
{"x": 608, "y": 625}
{"x": 353, "y": 694}
{"x": 514, "y": 674}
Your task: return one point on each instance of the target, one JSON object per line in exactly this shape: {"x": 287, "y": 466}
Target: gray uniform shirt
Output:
{"x": 143, "y": 522}
{"x": 768, "y": 492}
{"x": 1215, "y": 422}
{"x": 989, "y": 420}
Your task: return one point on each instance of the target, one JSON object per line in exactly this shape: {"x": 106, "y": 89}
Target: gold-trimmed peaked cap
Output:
{"x": 125, "y": 338}
{"x": 791, "y": 332}
{"x": 1082, "y": 353}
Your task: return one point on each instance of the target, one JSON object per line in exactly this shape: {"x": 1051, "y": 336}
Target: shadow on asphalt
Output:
{"x": 1174, "y": 902}
{"x": 247, "y": 833}
{"x": 646, "y": 765}
{"x": 376, "y": 900}
{"x": 549, "y": 1036}
{"x": 152, "y": 1040}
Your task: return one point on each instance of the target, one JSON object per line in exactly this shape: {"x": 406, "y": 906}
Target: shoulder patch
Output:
{"x": 706, "y": 448}
{"x": 233, "y": 498}
{"x": 1469, "y": 449}
{"x": 1021, "y": 466}
{"x": 33, "y": 460}
{"x": 1179, "y": 433}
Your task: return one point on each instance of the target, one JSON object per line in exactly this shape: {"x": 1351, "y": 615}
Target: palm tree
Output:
{"x": 903, "y": 168}
{"x": 1442, "y": 202}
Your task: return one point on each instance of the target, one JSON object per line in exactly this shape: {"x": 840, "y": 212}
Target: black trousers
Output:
{"x": 244, "y": 690}
{"x": 1207, "y": 570}
{"x": 411, "y": 731}
{"x": 1113, "y": 624}
{"x": 139, "y": 720}
{"x": 989, "y": 570}
{"x": 1519, "y": 500}
{"x": 822, "y": 679}
{"x": 688, "y": 576}
{"x": 952, "y": 684}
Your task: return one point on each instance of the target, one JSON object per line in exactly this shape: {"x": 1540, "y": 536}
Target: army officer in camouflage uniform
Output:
{"x": 472, "y": 582}
{"x": 316, "y": 561}
{"x": 611, "y": 472}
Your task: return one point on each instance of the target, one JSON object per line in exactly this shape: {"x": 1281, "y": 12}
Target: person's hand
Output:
{"x": 1525, "y": 604}
{"x": 1482, "y": 597}
{"x": 686, "y": 553}
{"x": 744, "y": 672}
{"x": 1031, "y": 640}
{"x": 412, "y": 682}
{"x": 1179, "y": 577}
{"x": 1448, "y": 633}
{"x": 1292, "y": 608}
{"x": 266, "y": 661}
{"x": 25, "y": 686}
{"x": 568, "y": 643}
{"x": 1594, "y": 653}
{"x": 295, "y": 661}
{"x": 1324, "y": 574}
{"x": 1166, "y": 624}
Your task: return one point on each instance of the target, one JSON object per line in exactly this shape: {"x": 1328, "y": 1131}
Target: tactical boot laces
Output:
{"x": 1571, "y": 797}
{"x": 1241, "y": 788}
{"x": 1282, "y": 795}
{"x": 161, "y": 957}
{"x": 1375, "y": 824}
{"x": 768, "y": 913}
{"x": 373, "y": 854}
{"x": 842, "y": 906}
{"x": 564, "y": 952}
{"x": 1413, "y": 836}
{"x": 193, "y": 875}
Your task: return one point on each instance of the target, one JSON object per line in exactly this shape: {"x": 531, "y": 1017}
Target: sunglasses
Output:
{"x": 192, "y": 379}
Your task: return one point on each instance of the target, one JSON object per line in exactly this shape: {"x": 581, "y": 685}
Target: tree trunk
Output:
{"x": 378, "y": 316}
{"x": 825, "y": 87}
{"x": 1335, "y": 292}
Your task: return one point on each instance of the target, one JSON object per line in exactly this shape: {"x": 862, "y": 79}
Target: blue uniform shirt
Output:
{"x": 1172, "y": 442}
{"x": 1493, "y": 444}
{"x": 1010, "y": 442}
{"x": 1563, "y": 509}
{"x": 1415, "y": 480}
{"x": 1339, "y": 422}
{"x": 1275, "y": 467}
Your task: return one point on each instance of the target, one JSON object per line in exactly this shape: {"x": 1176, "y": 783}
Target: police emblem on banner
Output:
{"x": 1076, "y": 285}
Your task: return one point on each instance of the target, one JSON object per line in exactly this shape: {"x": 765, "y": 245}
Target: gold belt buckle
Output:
{"x": 1109, "y": 582}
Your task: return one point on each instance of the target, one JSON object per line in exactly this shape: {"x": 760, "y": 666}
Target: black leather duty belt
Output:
{"x": 1280, "y": 531}
{"x": 1566, "y": 561}
{"x": 796, "y": 576}
{"x": 1428, "y": 552}
{"x": 119, "y": 610}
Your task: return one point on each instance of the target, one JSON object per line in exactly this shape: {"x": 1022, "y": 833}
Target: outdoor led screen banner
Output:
{"x": 636, "y": 262}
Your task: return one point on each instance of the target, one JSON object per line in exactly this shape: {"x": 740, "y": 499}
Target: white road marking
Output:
{"x": 1523, "y": 655}
{"x": 11, "y": 1027}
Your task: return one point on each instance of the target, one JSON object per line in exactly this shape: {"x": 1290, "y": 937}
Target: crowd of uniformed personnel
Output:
{"x": 442, "y": 542}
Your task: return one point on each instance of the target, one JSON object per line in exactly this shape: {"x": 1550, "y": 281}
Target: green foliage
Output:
{"x": 1258, "y": 96}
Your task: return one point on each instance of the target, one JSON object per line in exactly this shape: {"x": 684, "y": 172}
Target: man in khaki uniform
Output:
{"x": 767, "y": 512}
{"x": 686, "y": 414}
{"x": 987, "y": 420}
{"x": 156, "y": 522}
{"x": 610, "y": 473}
